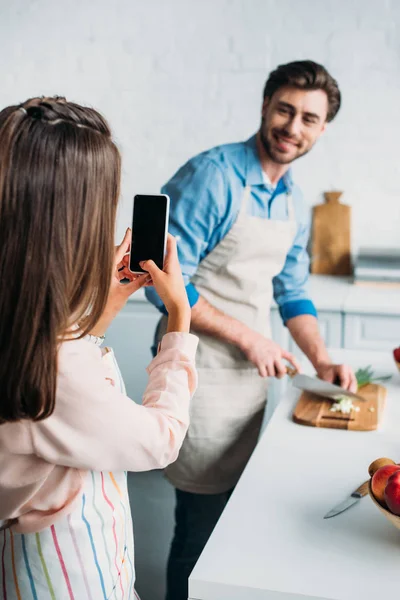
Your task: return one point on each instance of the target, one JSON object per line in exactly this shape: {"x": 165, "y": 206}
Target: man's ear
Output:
{"x": 324, "y": 126}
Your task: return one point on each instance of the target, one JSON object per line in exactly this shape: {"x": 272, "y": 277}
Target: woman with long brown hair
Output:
{"x": 68, "y": 432}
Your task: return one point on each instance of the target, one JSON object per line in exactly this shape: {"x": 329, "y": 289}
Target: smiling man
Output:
{"x": 243, "y": 228}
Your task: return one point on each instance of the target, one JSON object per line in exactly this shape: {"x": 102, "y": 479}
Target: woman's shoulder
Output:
{"x": 78, "y": 347}
{"x": 78, "y": 359}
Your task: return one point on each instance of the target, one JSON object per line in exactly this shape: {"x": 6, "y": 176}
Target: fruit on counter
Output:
{"x": 380, "y": 480}
{"x": 392, "y": 493}
{"x": 396, "y": 354}
{"x": 378, "y": 463}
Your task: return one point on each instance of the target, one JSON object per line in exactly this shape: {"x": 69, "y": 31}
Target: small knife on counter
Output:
{"x": 359, "y": 493}
{"x": 319, "y": 387}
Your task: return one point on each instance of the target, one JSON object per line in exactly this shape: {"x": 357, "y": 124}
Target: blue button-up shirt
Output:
{"x": 206, "y": 195}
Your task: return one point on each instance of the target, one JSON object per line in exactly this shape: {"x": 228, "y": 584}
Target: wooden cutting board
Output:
{"x": 331, "y": 243}
{"x": 314, "y": 411}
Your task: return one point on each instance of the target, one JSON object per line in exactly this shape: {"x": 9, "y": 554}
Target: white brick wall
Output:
{"x": 177, "y": 76}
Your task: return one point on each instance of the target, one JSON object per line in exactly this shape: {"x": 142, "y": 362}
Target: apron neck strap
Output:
{"x": 245, "y": 200}
{"x": 290, "y": 207}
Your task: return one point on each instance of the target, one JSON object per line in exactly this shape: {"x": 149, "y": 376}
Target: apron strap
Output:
{"x": 245, "y": 200}
{"x": 290, "y": 207}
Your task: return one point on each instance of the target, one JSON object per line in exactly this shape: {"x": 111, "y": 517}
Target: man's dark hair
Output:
{"x": 305, "y": 75}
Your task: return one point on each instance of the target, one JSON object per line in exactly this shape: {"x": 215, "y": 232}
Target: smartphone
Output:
{"x": 149, "y": 230}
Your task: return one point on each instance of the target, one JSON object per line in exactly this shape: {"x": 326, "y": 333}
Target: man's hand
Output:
{"x": 305, "y": 332}
{"x": 342, "y": 373}
{"x": 266, "y": 355}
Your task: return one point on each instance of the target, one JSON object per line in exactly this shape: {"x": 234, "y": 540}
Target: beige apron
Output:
{"x": 228, "y": 406}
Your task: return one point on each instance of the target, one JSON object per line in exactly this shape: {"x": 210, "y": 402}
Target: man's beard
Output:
{"x": 275, "y": 156}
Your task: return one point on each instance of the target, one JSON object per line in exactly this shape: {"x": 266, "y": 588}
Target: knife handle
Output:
{"x": 361, "y": 491}
{"x": 291, "y": 372}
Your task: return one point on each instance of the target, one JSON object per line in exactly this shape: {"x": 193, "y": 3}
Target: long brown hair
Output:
{"x": 59, "y": 187}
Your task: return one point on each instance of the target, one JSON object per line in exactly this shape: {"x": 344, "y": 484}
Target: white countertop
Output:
{"x": 339, "y": 294}
{"x": 272, "y": 542}
{"x": 372, "y": 300}
{"x": 328, "y": 293}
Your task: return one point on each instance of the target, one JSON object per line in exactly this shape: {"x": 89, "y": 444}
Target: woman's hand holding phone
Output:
{"x": 170, "y": 287}
{"x": 120, "y": 292}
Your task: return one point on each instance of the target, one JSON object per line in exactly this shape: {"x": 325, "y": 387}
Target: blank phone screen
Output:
{"x": 148, "y": 230}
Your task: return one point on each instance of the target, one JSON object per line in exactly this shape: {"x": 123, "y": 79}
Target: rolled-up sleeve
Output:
{"x": 291, "y": 285}
{"x": 196, "y": 194}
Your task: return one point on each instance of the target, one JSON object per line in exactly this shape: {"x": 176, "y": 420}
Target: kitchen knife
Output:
{"x": 359, "y": 493}
{"x": 319, "y": 387}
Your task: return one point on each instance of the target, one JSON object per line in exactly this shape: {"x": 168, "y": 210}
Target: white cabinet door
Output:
{"x": 131, "y": 337}
{"x": 372, "y": 332}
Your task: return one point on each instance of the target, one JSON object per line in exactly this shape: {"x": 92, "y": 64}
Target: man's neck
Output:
{"x": 275, "y": 171}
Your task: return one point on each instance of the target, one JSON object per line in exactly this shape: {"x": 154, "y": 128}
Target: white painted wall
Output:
{"x": 175, "y": 77}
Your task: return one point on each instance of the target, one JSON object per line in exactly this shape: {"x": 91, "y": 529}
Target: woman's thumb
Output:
{"x": 150, "y": 266}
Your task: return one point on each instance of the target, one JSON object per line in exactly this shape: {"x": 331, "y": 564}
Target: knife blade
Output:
{"x": 359, "y": 493}
{"x": 319, "y": 387}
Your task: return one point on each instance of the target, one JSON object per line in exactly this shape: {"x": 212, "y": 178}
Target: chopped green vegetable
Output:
{"x": 366, "y": 376}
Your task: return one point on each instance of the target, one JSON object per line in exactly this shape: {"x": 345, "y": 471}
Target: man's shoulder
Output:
{"x": 297, "y": 192}
{"x": 223, "y": 155}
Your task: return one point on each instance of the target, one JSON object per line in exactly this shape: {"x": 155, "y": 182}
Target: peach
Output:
{"x": 392, "y": 493}
{"x": 379, "y": 481}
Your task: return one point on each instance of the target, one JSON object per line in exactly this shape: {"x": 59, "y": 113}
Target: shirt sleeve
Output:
{"x": 96, "y": 427}
{"x": 197, "y": 194}
{"x": 291, "y": 285}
